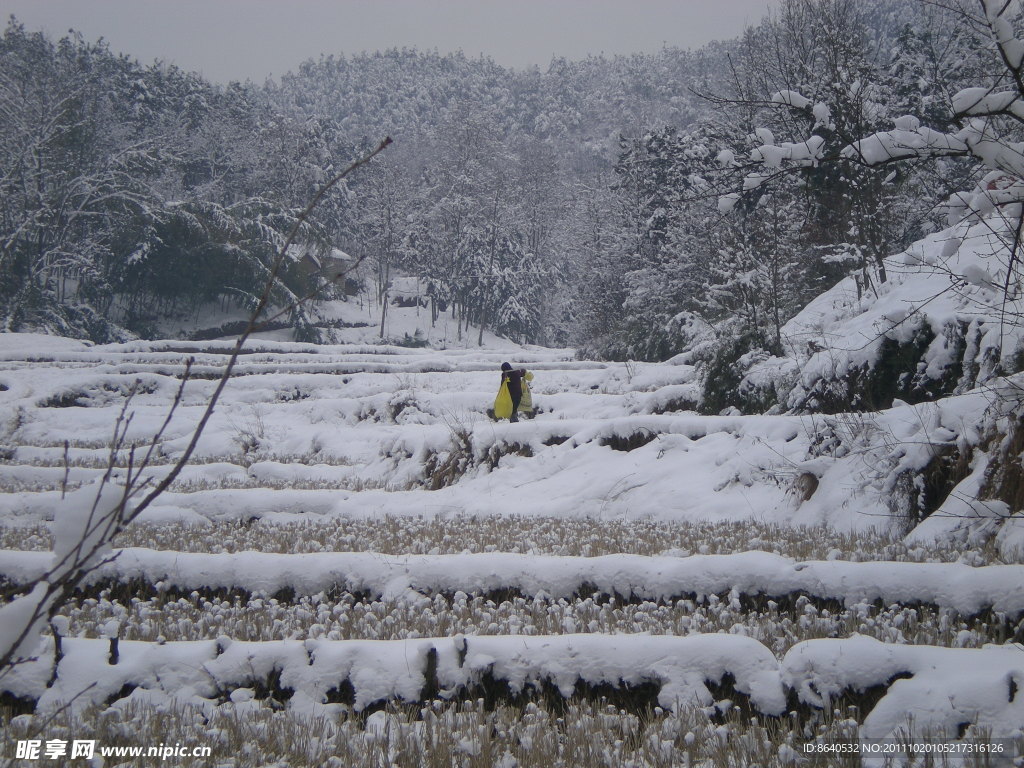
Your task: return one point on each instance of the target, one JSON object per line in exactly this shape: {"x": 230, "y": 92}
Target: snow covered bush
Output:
{"x": 725, "y": 370}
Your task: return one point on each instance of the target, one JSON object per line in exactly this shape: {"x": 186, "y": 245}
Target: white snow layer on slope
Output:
{"x": 844, "y": 327}
{"x": 963, "y": 588}
{"x": 351, "y": 430}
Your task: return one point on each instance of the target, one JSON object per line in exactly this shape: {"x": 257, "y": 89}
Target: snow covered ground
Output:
{"x": 311, "y": 439}
{"x": 355, "y": 431}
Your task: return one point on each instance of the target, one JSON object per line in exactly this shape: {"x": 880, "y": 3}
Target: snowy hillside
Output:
{"x": 939, "y": 326}
{"x": 361, "y": 431}
{"x": 261, "y": 566}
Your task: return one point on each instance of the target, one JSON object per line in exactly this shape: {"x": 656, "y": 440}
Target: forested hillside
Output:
{"x": 577, "y": 204}
{"x": 138, "y": 192}
{"x": 633, "y": 207}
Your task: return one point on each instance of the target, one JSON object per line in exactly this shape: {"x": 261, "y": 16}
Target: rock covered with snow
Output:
{"x": 941, "y": 689}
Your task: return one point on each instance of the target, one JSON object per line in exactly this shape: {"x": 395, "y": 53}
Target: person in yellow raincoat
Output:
{"x": 510, "y": 399}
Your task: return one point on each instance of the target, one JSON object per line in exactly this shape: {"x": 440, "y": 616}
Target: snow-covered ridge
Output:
{"x": 960, "y": 587}
{"x": 316, "y": 670}
{"x": 977, "y": 685}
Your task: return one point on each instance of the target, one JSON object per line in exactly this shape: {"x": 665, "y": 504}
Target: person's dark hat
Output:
{"x": 506, "y": 367}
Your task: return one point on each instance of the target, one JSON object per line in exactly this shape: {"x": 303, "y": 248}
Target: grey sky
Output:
{"x": 254, "y": 39}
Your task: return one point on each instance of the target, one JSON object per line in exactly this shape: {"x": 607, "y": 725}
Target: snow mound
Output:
{"x": 957, "y": 692}
{"x": 941, "y": 689}
{"x": 965, "y": 589}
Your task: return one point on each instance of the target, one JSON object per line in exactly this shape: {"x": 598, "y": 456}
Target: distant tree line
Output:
{"x": 581, "y": 204}
{"x": 705, "y": 242}
{"x": 130, "y": 193}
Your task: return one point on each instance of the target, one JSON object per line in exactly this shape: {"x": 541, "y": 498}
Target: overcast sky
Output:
{"x": 254, "y": 39}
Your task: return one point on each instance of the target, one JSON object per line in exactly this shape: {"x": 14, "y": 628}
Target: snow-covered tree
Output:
{"x": 71, "y": 180}
{"x": 984, "y": 125}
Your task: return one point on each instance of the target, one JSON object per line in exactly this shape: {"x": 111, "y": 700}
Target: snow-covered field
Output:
{"x": 360, "y": 431}
{"x": 354, "y": 532}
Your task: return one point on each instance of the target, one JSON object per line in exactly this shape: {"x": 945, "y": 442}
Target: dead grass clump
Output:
{"x": 403, "y": 400}
{"x": 250, "y": 733}
{"x": 97, "y": 395}
{"x": 66, "y": 399}
{"x": 444, "y": 468}
{"x": 498, "y": 450}
{"x": 803, "y": 487}
{"x": 674, "y": 405}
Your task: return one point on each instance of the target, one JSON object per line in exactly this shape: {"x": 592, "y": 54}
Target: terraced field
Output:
{"x": 359, "y": 567}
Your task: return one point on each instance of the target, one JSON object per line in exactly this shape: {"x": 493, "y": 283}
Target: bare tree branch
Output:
{"x": 101, "y": 526}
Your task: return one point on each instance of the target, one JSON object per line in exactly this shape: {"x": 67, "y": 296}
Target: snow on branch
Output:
{"x": 984, "y": 102}
{"x": 998, "y": 14}
{"x": 909, "y": 140}
{"x": 807, "y": 153}
{"x": 821, "y": 111}
{"x": 979, "y": 136}
{"x": 995, "y": 190}
{"x": 791, "y": 99}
